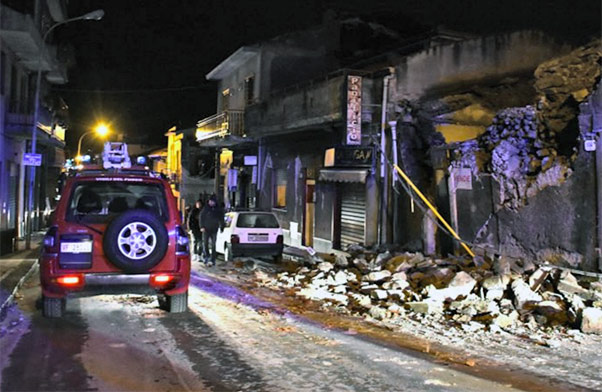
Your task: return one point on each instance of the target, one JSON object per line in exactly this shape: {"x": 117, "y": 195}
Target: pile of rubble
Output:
{"x": 469, "y": 294}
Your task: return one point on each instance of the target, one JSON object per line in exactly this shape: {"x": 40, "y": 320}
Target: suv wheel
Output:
{"x": 135, "y": 241}
{"x": 177, "y": 303}
{"x": 53, "y": 307}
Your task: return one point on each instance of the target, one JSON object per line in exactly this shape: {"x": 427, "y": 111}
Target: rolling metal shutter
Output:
{"x": 353, "y": 214}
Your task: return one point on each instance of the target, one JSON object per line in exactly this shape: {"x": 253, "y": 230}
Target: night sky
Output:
{"x": 142, "y": 67}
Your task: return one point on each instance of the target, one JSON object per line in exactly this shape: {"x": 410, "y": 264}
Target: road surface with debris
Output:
{"x": 228, "y": 341}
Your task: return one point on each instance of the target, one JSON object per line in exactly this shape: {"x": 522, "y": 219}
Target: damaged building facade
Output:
{"x": 498, "y": 125}
{"x": 463, "y": 116}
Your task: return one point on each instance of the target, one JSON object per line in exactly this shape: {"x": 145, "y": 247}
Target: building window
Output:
{"x": 225, "y": 100}
{"x": 23, "y": 97}
{"x": 280, "y": 188}
{"x": 2, "y": 73}
{"x": 14, "y": 89}
{"x": 250, "y": 90}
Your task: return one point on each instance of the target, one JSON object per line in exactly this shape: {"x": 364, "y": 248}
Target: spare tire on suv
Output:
{"x": 135, "y": 241}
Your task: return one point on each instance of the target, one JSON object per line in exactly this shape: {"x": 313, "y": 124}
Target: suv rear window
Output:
{"x": 257, "y": 221}
{"x": 98, "y": 202}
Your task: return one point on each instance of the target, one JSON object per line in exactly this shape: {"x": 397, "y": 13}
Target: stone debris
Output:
{"x": 592, "y": 320}
{"x": 523, "y": 295}
{"x": 470, "y": 295}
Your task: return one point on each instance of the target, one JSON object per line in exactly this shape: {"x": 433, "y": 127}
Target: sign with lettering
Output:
{"x": 349, "y": 156}
{"x": 354, "y": 110}
{"x": 461, "y": 178}
{"x": 30, "y": 159}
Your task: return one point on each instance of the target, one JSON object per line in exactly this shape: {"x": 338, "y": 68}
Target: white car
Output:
{"x": 250, "y": 233}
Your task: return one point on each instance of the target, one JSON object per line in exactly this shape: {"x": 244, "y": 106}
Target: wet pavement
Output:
{"x": 230, "y": 340}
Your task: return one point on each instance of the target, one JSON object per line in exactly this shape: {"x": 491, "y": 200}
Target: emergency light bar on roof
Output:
{"x": 115, "y": 156}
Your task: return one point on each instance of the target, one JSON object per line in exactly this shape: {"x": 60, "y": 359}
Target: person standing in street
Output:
{"x": 195, "y": 228}
{"x": 212, "y": 219}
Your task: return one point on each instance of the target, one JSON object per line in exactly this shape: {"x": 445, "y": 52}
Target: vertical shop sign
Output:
{"x": 354, "y": 110}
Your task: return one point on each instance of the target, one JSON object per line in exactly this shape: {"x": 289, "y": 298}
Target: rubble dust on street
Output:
{"x": 219, "y": 345}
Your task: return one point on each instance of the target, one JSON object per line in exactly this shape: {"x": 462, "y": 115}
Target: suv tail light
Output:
{"x": 50, "y": 240}
{"x": 70, "y": 280}
{"x": 182, "y": 241}
{"x": 161, "y": 279}
{"x": 279, "y": 239}
{"x": 234, "y": 239}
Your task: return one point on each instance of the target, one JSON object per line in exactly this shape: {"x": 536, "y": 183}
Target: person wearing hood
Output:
{"x": 212, "y": 219}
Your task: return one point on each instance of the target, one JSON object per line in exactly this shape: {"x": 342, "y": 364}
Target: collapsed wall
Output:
{"x": 544, "y": 204}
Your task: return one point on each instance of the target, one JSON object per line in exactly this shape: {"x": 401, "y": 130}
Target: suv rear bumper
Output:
{"x": 256, "y": 249}
{"x": 115, "y": 283}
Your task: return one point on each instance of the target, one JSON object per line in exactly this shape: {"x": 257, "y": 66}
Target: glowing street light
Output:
{"x": 102, "y": 130}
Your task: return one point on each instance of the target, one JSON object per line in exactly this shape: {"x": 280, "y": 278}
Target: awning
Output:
{"x": 343, "y": 175}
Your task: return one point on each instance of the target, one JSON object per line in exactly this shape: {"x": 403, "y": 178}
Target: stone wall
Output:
{"x": 543, "y": 199}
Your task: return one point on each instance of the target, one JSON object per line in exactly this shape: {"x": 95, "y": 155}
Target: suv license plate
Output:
{"x": 258, "y": 237}
{"x": 76, "y": 247}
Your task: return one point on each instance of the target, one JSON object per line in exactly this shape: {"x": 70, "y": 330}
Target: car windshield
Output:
{"x": 98, "y": 202}
{"x": 256, "y": 221}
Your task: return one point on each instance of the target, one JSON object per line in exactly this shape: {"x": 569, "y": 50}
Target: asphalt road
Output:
{"x": 226, "y": 342}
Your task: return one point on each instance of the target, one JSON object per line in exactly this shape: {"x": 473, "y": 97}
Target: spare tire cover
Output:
{"x": 135, "y": 241}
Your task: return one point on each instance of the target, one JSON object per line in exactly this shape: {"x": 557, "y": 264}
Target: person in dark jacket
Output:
{"x": 212, "y": 218}
{"x": 195, "y": 228}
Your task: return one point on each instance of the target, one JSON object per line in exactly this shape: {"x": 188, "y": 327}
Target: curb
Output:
{"x": 11, "y": 297}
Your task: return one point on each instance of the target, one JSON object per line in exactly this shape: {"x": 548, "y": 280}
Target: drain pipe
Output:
{"x": 383, "y": 231}
{"x": 595, "y": 103}
{"x": 599, "y": 191}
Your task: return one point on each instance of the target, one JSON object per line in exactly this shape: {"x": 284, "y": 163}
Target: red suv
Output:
{"x": 115, "y": 231}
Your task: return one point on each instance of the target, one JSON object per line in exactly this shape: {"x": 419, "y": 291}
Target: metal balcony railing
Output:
{"x": 229, "y": 122}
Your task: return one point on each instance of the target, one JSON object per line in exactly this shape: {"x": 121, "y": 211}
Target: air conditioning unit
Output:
{"x": 115, "y": 156}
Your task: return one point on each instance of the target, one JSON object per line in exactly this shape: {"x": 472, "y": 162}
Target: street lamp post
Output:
{"x": 94, "y": 15}
{"x": 101, "y": 130}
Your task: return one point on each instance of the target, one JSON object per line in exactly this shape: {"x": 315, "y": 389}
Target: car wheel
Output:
{"x": 177, "y": 303}
{"x": 277, "y": 258}
{"x": 135, "y": 241}
{"x": 228, "y": 253}
{"x": 53, "y": 307}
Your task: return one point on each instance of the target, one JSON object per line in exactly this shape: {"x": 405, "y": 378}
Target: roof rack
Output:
{"x": 135, "y": 171}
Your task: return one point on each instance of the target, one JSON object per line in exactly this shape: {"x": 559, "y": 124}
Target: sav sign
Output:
{"x": 30, "y": 159}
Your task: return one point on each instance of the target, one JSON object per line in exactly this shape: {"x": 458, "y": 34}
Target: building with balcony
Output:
{"x": 295, "y": 100}
{"x": 23, "y": 53}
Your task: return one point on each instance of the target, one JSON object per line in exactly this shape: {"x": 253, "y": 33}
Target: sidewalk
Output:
{"x": 15, "y": 268}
